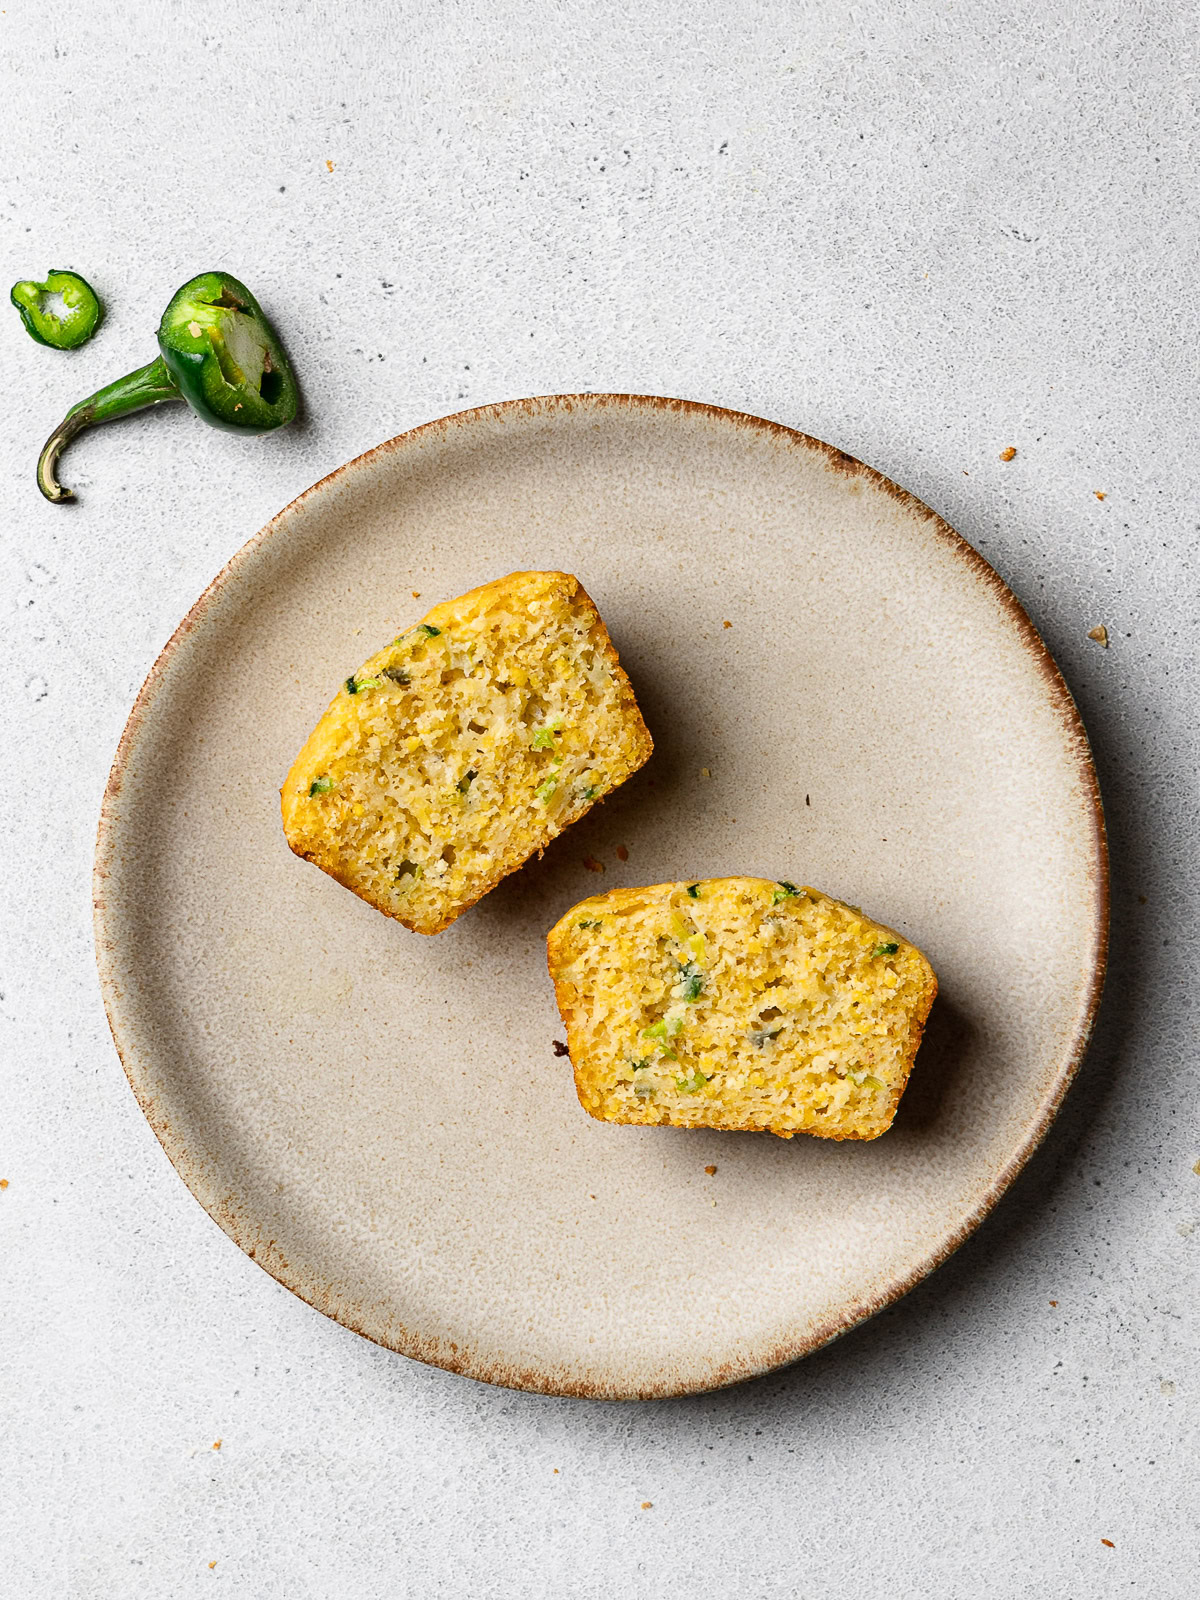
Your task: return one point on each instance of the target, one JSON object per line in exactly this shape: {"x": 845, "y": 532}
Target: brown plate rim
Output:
{"x": 405, "y": 1341}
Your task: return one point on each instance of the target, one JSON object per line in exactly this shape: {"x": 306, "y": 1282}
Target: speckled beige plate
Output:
{"x": 841, "y": 692}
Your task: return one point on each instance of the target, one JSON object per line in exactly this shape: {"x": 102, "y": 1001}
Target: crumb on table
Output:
{"x": 560, "y": 1048}
{"x": 1008, "y": 452}
{"x": 592, "y": 864}
{"x": 1100, "y": 634}
{"x": 622, "y": 853}
{"x": 711, "y": 1171}
{"x": 1099, "y": 493}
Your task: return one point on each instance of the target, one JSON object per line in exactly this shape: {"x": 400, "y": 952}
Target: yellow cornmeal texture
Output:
{"x": 738, "y": 1003}
{"x": 465, "y": 745}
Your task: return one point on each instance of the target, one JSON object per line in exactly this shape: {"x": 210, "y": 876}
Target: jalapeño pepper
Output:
{"x": 217, "y": 351}
{"x": 63, "y": 329}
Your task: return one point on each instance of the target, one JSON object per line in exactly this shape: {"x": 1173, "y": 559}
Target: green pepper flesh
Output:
{"x": 81, "y": 309}
{"x": 225, "y": 358}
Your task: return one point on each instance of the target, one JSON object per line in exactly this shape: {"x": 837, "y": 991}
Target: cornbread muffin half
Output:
{"x": 462, "y": 747}
{"x": 738, "y": 1003}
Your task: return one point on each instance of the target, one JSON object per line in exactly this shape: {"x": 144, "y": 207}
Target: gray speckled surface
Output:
{"x": 921, "y": 232}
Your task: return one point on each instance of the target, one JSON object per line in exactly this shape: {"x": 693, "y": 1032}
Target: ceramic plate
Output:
{"x": 841, "y": 692}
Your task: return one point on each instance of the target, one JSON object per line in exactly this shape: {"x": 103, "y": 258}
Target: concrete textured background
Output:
{"x": 923, "y": 231}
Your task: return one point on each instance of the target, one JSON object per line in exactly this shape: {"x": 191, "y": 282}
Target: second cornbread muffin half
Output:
{"x": 463, "y": 746}
{"x": 738, "y": 1003}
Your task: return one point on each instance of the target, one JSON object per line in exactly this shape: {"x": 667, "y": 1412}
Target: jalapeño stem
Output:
{"x": 151, "y": 385}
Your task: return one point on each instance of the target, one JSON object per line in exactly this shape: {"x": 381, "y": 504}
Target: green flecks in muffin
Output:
{"x": 357, "y": 685}
{"x": 397, "y": 675}
{"x": 644, "y": 1090}
{"x": 545, "y": 789}
{"x": 692, "y": 1084}
{"x": 423, "y": 630}
{"x": 465, "y": 783}
{"x": 783, "y": 891}
{"x": 763, "y": 1036}
{"x": 665, "y": 1028}
{"x": 320, "y": 786}
{"x": 864, "y": 1080}
{"x": 691, "y": 982}
{"x": 590, "y": 922}
{"x": 543, "y": 738}
{"x": 693, "y": 890}
{"x": 885, "y": 949}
